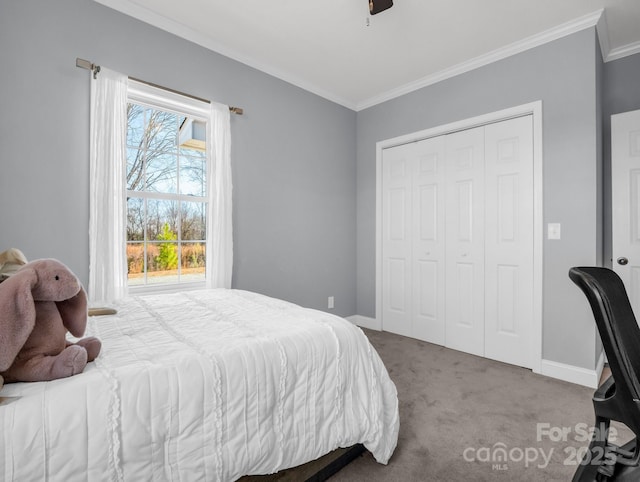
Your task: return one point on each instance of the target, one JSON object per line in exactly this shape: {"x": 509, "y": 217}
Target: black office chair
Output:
{"x": 619, "y": 397}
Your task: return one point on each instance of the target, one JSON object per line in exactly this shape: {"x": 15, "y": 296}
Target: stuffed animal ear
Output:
{"x": 74, "y": 313}
{"x": 17, "y": 314}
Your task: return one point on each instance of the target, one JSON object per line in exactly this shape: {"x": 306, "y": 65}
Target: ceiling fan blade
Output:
{"x": 377, "y": 6}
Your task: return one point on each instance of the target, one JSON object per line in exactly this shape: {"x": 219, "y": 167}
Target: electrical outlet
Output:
{"x": 330, "y": 303}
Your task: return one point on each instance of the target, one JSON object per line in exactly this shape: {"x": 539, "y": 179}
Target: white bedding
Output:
{"x": 203, "y": 385}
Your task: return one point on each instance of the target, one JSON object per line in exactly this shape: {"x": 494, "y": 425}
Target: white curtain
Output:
{"x": 219, "y": 226}
{"x": 107, "y": 207}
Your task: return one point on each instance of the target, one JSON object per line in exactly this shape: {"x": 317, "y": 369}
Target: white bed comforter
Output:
{"x": 205, "y": 385}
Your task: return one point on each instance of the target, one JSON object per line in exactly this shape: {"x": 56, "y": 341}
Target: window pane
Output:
{"x": 162, "y": 131}
{"x": 193, "y": 262}
{"x": 162, "y": 220}
{"x": 192, "y": 175}
{"x": 135, "y": 219}
{"x": 135, "y": 263}
{"x": 193, "y": 152}
{"x": 135, "y": 169}
{"x": 193, "y": 221}
{"x": 135, "y": 125}
{"x": 193, "y": 137}
{"x": 161, "y": 171}
{"x": 162, "y": 263}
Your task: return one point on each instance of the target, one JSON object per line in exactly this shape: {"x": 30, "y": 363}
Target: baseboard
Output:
{"x": 573, "y": 374}
{"x": 365, "y": 322}
{"x": 549, "y": 368}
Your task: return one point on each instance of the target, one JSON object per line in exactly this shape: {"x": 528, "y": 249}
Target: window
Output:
{"x": 153, "y": 189}
{"x": 166, "y": 190}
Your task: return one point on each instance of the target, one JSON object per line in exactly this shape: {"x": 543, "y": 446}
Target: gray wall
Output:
{"x": 304, "y": 168}
{"x": 293, "y": 152}
{"x": 621, "y": 93}
{"x": 563, "y": 75}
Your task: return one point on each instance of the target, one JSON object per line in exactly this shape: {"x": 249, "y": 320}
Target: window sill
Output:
{"x": 165, "y": 288}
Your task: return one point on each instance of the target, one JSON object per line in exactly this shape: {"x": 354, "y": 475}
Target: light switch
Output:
{"x": 553, "y": 231}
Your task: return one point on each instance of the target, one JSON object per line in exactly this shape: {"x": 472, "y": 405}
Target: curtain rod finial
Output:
{"x": 85, "y": 64}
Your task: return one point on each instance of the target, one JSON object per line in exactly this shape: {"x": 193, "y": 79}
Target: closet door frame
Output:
{"x": 535, "y": 110}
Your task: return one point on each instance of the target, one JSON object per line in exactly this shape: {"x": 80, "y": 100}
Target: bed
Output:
{"x": 202, "y": 385}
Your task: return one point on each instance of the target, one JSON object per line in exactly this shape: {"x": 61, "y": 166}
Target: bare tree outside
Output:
{"x": 166, "y": 208}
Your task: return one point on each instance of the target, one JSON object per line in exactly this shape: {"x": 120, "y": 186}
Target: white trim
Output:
{"x": 573, "y": 374}
{"x": 141, "y": 93}
{"x": 603, "y": 35}
{"x": 609, "y": 54}
{"x": 624, "y": 51}
{"x": 538, "y": 236}
{"x": 533, "y": 108}
{"x": 365, "y": 322}
{"x": 135, "y": 290}
{"x": 542, "y": 38}
{"x": 548, "y": 368}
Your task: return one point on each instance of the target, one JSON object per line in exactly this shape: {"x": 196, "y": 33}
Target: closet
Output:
{"x": 457, "y": 240}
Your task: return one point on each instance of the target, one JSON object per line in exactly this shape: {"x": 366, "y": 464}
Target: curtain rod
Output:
{"x": 85, "y": 64}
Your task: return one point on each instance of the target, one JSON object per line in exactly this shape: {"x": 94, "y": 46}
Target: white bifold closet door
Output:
{"x": 457, "y": 248}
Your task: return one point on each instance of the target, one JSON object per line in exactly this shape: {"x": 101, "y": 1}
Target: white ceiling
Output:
{"x": 335, "y": 49}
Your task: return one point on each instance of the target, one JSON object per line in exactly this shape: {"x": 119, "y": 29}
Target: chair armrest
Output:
{"x": 605, "y": 391}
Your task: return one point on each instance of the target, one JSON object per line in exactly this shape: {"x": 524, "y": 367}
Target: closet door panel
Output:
{"x": 429, "y": 240}
{"x": 397, "y": 233}
{"x": 509, "y": 240}
{"x": 465, "y": 241}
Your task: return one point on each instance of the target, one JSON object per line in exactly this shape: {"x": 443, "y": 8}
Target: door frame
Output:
{"x": 535, "y": 110}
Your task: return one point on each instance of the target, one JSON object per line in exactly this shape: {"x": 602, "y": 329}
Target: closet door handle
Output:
{"x": 623, "y": 261}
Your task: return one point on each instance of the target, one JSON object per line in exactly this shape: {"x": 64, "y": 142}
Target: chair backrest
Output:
{"x": 616, "y": 324}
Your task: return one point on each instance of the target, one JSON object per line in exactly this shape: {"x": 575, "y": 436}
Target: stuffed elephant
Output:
{"x": 39, "y": 304}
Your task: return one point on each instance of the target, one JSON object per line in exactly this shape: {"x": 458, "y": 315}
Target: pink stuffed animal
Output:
{"x": 38, "y": 305}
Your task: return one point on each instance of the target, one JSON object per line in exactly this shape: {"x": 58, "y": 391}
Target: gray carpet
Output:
{"x": 458, "y": 410}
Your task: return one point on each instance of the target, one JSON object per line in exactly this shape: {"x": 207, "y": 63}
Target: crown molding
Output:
{"x": 609, "y": 54}
{"x": 596, "y": 19}
{"x": 602, "y": 30}
{"x": 624, "y": 51}
{"x": 550, "y": 35}
{"x": 147, "y": 16}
